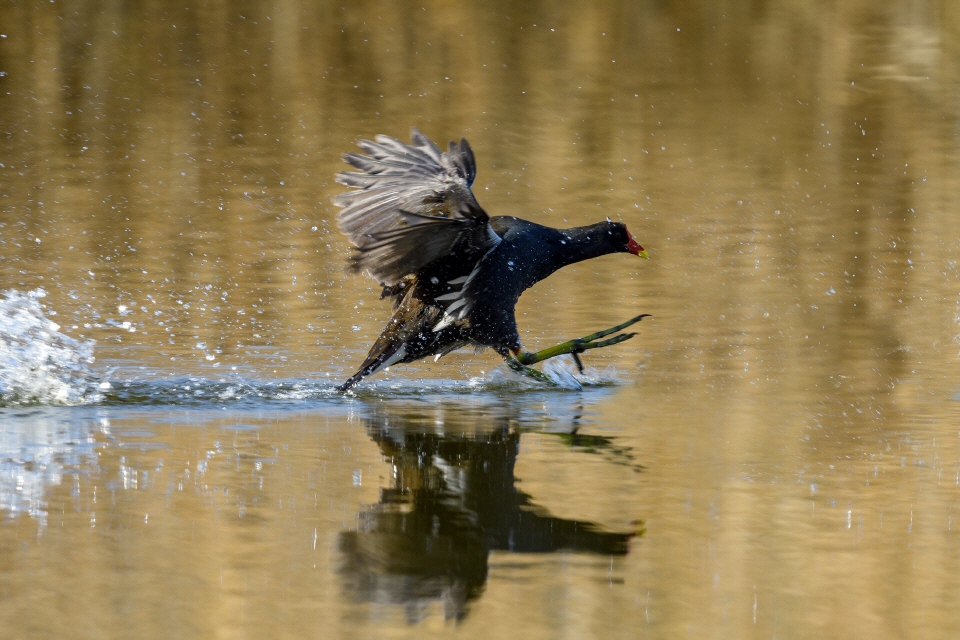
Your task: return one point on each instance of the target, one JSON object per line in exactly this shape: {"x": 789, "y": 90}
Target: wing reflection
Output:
{"x": 452, "y": 500}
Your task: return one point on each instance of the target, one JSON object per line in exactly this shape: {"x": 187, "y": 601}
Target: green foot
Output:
{"x": 517, "y": 367}
{"x": 521, "y": 364}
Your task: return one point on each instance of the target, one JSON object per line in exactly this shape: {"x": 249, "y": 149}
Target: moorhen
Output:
{"x": 454, "y": 273}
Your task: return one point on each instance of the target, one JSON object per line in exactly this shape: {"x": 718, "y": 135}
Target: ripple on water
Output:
{"x": 235, "y": 390}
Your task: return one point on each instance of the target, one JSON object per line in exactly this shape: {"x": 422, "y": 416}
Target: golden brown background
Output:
{"x": 789, "y": 414}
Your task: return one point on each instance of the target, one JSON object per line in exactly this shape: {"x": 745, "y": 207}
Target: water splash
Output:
{"x": 38, "y": 364}
{"x": 41, "y": 366}
{"x": 561, "y": 371}
{"x": 207, "y": 392}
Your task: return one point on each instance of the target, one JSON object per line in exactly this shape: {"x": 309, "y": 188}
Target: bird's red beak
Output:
{"x": 634, "y": 247}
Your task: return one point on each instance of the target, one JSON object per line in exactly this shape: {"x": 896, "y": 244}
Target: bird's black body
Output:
{"x": 454, "y": 273}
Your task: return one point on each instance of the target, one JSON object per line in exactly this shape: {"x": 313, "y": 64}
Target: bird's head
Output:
{"x": 625, "y": 240}
{"x": 595, "y": 240}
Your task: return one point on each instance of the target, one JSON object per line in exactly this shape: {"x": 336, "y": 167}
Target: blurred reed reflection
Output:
{"x": 166, "y": 175}
{"x": 451, "y": 501}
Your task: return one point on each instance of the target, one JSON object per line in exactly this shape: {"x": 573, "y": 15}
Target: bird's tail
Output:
{"x": 352, "y": 380}
{"x": 383, "y": 354}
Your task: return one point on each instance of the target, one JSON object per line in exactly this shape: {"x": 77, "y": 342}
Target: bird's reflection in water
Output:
{"x": 452, "y": 500}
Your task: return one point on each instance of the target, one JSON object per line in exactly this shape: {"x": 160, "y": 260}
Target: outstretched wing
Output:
{"x": 412, "y": 204}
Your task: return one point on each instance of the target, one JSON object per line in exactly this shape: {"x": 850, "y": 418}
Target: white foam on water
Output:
{"x": 38, "y": 364}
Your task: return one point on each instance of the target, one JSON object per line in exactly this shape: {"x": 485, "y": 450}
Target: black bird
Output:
{"x": 454, "y": 273}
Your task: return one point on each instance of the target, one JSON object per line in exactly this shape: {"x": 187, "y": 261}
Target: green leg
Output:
{"x": 521, "y": 364}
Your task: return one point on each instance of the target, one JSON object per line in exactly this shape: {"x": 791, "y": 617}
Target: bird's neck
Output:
{"x": 584, "y": 243}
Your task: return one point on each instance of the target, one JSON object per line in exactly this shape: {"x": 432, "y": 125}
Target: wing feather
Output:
{"x": 407, "y": 250}
{"x": 412, "y": 205}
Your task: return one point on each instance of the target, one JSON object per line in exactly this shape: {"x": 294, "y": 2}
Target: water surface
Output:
{"x": 777, "y": 454}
